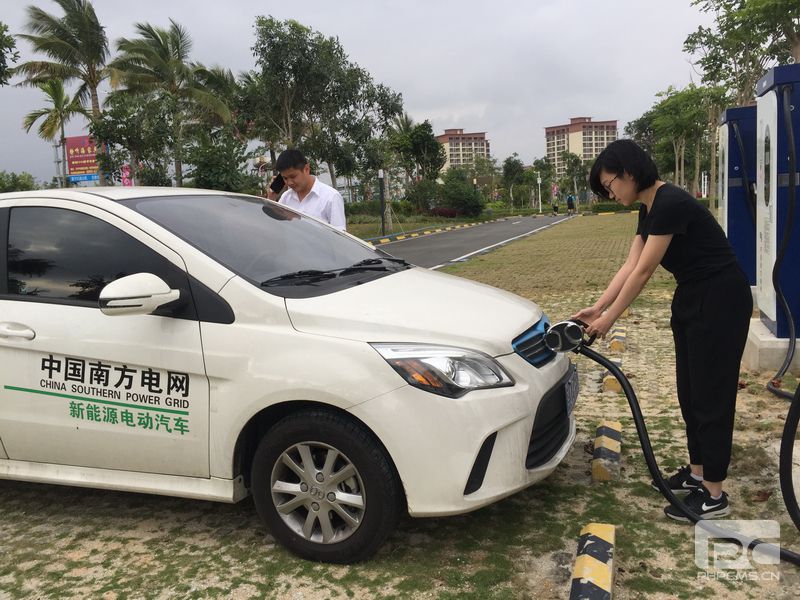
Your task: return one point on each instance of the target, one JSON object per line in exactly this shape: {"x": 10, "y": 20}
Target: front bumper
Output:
{"x": 438, "y": 444}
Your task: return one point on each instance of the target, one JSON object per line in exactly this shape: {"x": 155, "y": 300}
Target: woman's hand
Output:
{"x": 587, "y": 315}
{"x": 600, "y": 326}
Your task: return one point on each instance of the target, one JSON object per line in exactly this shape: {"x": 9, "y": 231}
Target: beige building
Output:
{"x": 462, "y": 148}
{"x": 580, "y": 136}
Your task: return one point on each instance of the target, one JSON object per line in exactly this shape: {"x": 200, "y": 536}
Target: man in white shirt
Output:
{"x": 306, "y": 193}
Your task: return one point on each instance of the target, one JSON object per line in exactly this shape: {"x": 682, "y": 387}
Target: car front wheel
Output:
{"x": 324, "y": 487}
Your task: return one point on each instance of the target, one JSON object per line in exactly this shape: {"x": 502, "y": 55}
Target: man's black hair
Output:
{"x": 623, "y": 156}
{"x": 290, "y": 159}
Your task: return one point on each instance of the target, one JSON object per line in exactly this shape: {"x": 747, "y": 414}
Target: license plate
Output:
{"x": 571, "y": 389}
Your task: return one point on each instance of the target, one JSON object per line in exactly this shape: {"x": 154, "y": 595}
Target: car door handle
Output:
{"x": 16, "y": 330}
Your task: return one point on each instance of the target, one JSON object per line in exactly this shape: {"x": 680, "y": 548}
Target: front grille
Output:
{"x": 551, "y": 425}
{"x": 530, "y": 344}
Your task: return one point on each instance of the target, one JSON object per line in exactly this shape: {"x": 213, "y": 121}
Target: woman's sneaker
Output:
{"x": 680, "y": 482}
{"x": 699, "y": 501}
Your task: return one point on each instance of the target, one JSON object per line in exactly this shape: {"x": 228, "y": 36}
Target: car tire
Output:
{"x": 325, "y": 488}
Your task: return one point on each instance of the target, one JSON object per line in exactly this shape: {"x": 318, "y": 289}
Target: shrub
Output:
{"x": 365, "y": 207}
{"x": 423, "y": 194}
{"x": 444, "y": 211}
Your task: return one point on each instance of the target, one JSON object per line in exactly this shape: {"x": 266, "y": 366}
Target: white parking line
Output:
{"x": 466, "y": 256}
{"x": 516, "y": 222}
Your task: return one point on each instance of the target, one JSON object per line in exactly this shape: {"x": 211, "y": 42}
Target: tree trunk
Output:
{"x": 178, "y": 152}
{"x": 332, "y": 173}
{"x": 696, "y": 178}
{"x": 64, "y": 182}
{"x": 273, "y": 157}
{"x": 387, "y": 210}
{"x": 683, "y": 164}
{"x": 793, "y": 36}
{"x": 676, "y": 152}
{"x": 98, "y": 143}
{"x": 712, "y": 179}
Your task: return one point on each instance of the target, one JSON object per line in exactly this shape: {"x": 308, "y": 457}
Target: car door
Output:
{"x": 82, "y": 388}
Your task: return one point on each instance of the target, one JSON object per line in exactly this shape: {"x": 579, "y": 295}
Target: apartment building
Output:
{"x": 462, "y": 148}
{"x": 580, "y": 136}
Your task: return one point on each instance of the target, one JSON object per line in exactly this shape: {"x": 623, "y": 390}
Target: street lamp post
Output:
{"x": 383, "y": 202}
{"x": 539, "y": 184}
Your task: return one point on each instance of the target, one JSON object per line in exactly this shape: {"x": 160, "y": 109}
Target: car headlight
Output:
{"x": 444, "y": 370}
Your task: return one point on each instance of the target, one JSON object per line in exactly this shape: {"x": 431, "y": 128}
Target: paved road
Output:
{"x": 439, "y": 249}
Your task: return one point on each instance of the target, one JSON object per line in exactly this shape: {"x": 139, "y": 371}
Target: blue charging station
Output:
{"x": 772, "y": 152}
{"x": 736, "y": 192}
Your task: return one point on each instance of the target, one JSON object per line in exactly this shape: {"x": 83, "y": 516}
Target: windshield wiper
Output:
{"x": 299, "y": 277}
{"x": 376, "y": 264}
{"x": 307, "y": 276}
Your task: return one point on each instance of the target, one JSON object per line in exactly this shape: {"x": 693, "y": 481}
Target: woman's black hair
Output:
{"x": 623, "y": 156}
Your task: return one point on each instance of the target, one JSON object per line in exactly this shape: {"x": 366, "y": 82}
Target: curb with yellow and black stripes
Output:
{"x": 396, "y": 237}
{"x": 593, "y": 573}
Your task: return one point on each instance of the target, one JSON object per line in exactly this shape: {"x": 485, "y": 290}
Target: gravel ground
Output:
{"x": 61, "y": 542}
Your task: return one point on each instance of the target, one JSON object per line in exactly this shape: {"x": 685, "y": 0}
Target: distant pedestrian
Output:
{"x": 570, "y": 204}
{"x": 555, "y": 205}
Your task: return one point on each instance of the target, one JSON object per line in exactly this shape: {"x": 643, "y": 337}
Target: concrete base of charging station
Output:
{"x": 764, "y": 352}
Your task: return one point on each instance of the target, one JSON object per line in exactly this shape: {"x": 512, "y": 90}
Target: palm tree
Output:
{"x": 55, "y": 117}
{"x": 400, "y": 130}
{"x": 157, "y": 62}
{"x": 402, "y": 124}
{"x": 77, "y": 48}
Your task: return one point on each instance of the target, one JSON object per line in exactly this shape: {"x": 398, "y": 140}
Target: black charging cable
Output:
{"x": 749, "y": 186}
{"x": 562, "y": 337}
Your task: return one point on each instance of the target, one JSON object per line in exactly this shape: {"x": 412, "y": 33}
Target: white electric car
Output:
{"x": 212, "y": 345}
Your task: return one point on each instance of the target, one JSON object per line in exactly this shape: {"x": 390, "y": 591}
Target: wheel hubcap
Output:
{"x": 318, "y": 492}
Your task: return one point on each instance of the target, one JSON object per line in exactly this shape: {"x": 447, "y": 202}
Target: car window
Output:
{"x": 64, "y": 255}
{"x": 258, "y": 239}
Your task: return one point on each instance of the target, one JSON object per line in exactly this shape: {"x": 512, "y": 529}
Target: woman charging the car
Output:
{"x": 711, "y": 312}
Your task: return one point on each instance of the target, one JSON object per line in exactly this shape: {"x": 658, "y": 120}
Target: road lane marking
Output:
{"x": 466, "y": 256}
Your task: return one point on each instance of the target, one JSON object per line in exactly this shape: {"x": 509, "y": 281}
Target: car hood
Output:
{"x": 419, "y": 305}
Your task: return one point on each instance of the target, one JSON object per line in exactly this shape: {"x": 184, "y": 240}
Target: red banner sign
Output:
{"x": 81, "y": 155}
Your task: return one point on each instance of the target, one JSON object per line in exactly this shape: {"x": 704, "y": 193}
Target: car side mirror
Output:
{"x": 138, "y": 294}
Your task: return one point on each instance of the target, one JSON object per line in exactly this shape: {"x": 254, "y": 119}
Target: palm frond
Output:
{"x": 40, "y": 71}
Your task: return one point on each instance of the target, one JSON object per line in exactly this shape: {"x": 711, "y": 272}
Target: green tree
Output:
{"x": 513, "y": 172}
{"x": 576, "y": 174}
{"x": 55, "y": 117}
{"x": 220, "y": 161}
{"x": 484, "y": 166}
{"x": 543, "y": 169}
{"x": 423, "y": 194}
{"x": 76, "y": 46}
{"x": 399, "y": 133}
{"x": 317, "y": 98}
{"x": 681, "y": 118}
{"x": 458, "y": 193}
{"x": 157, "y": 62}
{"x": 17, "y": 182}
{"x": 748, "y": 36}
{"x": 137, "y": 131}
{"x": 8, "y": 53}
{"x": 428, "y": 153}
{"x": 780, "y": 19}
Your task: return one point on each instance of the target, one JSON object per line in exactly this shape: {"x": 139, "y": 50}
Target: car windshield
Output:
{"x": 284, "y": 252}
